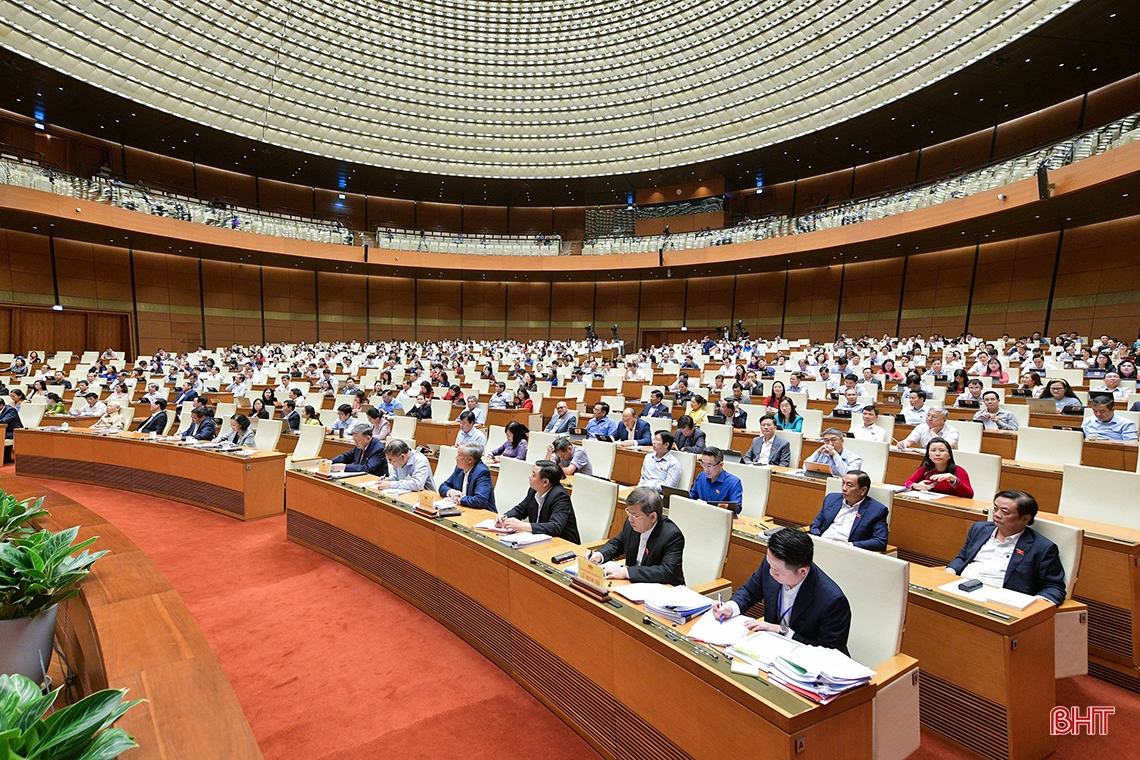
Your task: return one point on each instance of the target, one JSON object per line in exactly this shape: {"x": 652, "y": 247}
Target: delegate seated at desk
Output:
{"x": 546, "y": 507}
{"x": 409, "y": 470}
{"x": 632, "y": 431}
{"x": 850, "y": 402}
{"x": 290, "y": 414}
{"x": 915, "y": 409}
{"x": 10, "y": 416}
{"x": 652, "y": 544}
{"x": 468, "y": 433}
{"x": 660, "y": 468}
{"x": 935, "y": 426}
{"x": 93, "y": 408}
{"x": 202, "y": 425}
{"x": 993, "y": 417}
{"x": 656, "y": 406}
{"x": 239, "y": 433}
{"x": 563, "y": 422}
{"x": 156, "y": 422}
{"x": 112, "y": 420}
{"x": 367, "y": 456}
{"x": 601, "y": 424}
{"x": 853, "y": 517}
{"x": 768, "y": 448}
{"x": 938, "y": 473}
{"x": 572, "y": 459}
{"x": 1007, "y": 553}
{"x": 833, "y": 455}
{"x": 869, "y": 431}
{"x": 469, "y": 485}
{"x": 714, "y": 485}
{"x": 689, "y": 437}
{"x": 800, "y": 600}
{"x": 1106, "y": 424}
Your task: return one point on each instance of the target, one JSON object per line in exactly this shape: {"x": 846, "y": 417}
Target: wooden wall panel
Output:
{"x": 231, "y": 295}
{"x": 290, "y": 305}
{"x": 169, "y": 302}
{"x": 573, "y": 309}
{"x": 813, "y": 302}
{"x": 231, "y": 187}
{"x": 871, "y": 297}
{"x": 447, "y": 217}
{"x": 484, "y": 310}
{"x": 392, "y": 309}
{"x": 662, "y": 303}
{"x": 284, "y": 197}
{"x": 1112, "y": 102}
{"x": 528, "y": 310}
{"x": 391, "y": 212}
{"x": 349, "y": 210}
{"x": 936, "y": 292}
{"x": 879, "y": 176}
{"x": 823, "y": 190}
{"x": 760, "y": 302}
{"x": 1011, "y": 291}
{"x": 1036, "y": 129}
{"x": 161, "y": 172}
{"x": 772, "y": 199}
{"x": 1098, "y": 280}
{"x": 531, "y": 220}
{"x": 953, "y": 155}
{"x": 25, "y": 268}
{"x": 437, "y": 309}
{"x": 341, "y": 305}
{"x": 484, "y": 220}
{"x": 570, "y": 222}
{"x": 93, "y": 276}
{"x": 709, "y": 303}
{"x": 617, "y": 304}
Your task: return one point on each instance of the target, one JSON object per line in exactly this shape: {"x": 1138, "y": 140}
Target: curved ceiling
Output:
{"x": 504, "y": 89}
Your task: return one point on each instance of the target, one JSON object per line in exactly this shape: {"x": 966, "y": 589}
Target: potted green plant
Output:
{"x": 37, "y": 572}
{"x": 81, "y": 731}
{"x": 16, "y": 514}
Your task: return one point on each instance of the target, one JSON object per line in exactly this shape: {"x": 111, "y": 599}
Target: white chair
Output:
{"x": 225, "y": 410}
{"x": 595, "y": 503}
{"x": 1045, "y": 446}
{"x": 497, "y": 436}
{"x": 884, "y": 421}
{"x": 707, "y": 530}
{"x": 1070, "y": 627}
{"x": 537, "y": 444}
{"x": 512, "y": 484}
{"x": 617, "y": 403}
{"x": 1020, "y": 413}
{"x": 969, "y": 436}
{"x": 1093, "y": 493}
{"x": 688, "y": 462}
{"x": 441, "y": 410}
{"x": 718, "y": 435}
{"x": 31, "y": 415}
{"x": 403, "y": 428}
{"x": 874, "y": 455}
{"x": 445, "y": 465}
{"x": 813, "y": 422}
{"x": 327, "y": 417}
{"x": 984, "y": 471}
{"x": 795, "y": 443}
{"x": 660, "y": 423}
{"x": 128, "y": 413}
{"x": 309, "y": 443}
{"x": 602, "y": 456}
{"x": 267, "y": 435}
{"x": 756, "y": 483}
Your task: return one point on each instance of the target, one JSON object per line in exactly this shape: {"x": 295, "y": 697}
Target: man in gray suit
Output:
{"x": 689, "y": 437}
{"x": 767, "y": 448}
{"x": 563, "y": 422}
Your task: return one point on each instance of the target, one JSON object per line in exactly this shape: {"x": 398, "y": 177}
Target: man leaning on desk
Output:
{"x": 853, "y": 517}
{"x": 202, "y": 425}
{"x": 469, "y": 485}
{"x": 714, "y": 485}
{"x": 547, "y": 506}
{"x": 800, "y": 600}
{"x": 1007, "y": 553}
{"x": 367, "y": 456}
{"x": 653, "y": 545}
{"x": 831, "y": 453}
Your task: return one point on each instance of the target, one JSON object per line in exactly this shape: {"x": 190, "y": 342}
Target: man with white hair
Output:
{"x": 367, "y": 456}
{"x": 111, "y": 420}
{"x": 470, "y": 484}
{"x": 935, "y": 426}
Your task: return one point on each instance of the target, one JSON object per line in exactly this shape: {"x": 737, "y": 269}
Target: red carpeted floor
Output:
{"x": 328, "y": 664}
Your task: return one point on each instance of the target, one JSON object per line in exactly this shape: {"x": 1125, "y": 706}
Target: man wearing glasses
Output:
{"x": 832, "y": 454}
{"x": 653, "y": 545}
{"x": 714, "y": 485}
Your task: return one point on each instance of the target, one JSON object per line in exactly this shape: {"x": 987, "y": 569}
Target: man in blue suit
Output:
{"x": 633, "y": 431}
{"x": 1009, "y": 554}
{"x": 656, "y": 407}
{"x": 800, "y": 600}
{"x": 768, "y": 448}
{"x": 853, "y": 517}
{"x": 188, "y": 394}
{"x": 202, "y": 425}
{"x": 368, "y": 455}
{"x": 10, "y": 416}
{"x": 470, "y": 485}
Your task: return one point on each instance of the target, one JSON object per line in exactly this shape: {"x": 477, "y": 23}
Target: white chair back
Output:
{"x": 813, "y": 422}
{"x": 874, "y": 456}
{"x": 969, "y": 436}
{"x": 1045, "y": 446}
{"x": 31, "y": 415}
{"x": 1020, "y": 413}
{"x": 882, "y": 494}
{"x": 576, "y": 390}
{"x": 876, "y": 586}
{"x": 595, "y": 503}
{"x": 688, "y": 462}
{"x": 512, "y": 484}
{"x": 267, "y": 435}
{"x": 601, "y": 455}
{"x": 756, "y": 482}
{"x": 128, "y": 413}
{"x": 224, "y": 410}
{"x": 441, "y": 410}
{"x": 984, "y": 471}
{"x": 1069, "y": 540}
{"x": 795, "y": 443}
{"x": 445, "y": 465}
{"x": 403, "y": 428}
{"x": 497, "y": 436}
{"x": 707, "y": 530}
{"x": 327, "y": 417}
{"x": 718, "y": 435}
{"x": 1093, "y": 493}
{"x": 660, "y": 423}
{"x": 309, "y": 442}
{"x": 536, "y": 445}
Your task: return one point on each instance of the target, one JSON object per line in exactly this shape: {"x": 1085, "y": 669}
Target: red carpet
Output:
{"x": 328, "y": 664}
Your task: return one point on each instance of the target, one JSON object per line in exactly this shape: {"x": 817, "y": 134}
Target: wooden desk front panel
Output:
{"x": 436, "y": 433}
{"x": 929, "y": 533}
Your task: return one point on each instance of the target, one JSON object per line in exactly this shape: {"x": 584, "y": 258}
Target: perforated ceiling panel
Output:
{"x": 516, "y": 88}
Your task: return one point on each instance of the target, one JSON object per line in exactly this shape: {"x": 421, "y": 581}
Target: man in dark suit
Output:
{"x": 470, "y": 484}
{"x": 156, "y": 422}
{"x": 547, "y": 506}
{"x": 689, "y": 437}
{"x": 368, "y": 455}
{"x": 800, "y": 600}
{"x": 290, "y": 414}
{"x": 202, "y": 425}
{"x": 653, "y": 545}
{"x": 769, "y": 448}
{"x": 10, "y": 416}
{"x": 188, "y": 394}
{"x": 656, "y": 406}
{"x": 1010, "y": 554}
{"x": 852, "y": 516}
{"x": 633, "y": 431}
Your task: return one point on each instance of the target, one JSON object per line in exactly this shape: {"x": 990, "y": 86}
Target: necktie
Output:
{"x": 359, "y": 455}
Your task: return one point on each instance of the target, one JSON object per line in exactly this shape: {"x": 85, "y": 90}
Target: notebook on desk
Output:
{"x": 732, "y": 456}
{"x": 1041, "y": 406}
{"x": 817, "y": 470}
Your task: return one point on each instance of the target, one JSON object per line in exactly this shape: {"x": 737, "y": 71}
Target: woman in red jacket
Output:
{"x": 939, "y": 474}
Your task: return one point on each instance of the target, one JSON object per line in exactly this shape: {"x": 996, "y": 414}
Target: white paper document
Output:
{"x": 720, "y": 633}
{"x": 925, "y": 495}
{"x": 762, "y": 647}
{"x": 1004, "y": 596}
{"x": 518, "y": 540}
{"x": 489, "y": 525}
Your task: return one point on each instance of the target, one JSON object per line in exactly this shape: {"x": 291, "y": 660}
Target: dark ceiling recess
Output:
{"x": 1090, "y": 45}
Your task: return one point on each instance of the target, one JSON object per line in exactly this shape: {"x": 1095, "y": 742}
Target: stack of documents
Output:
{"x": 677, "y": 604}
{"x": 720, "y": 633}
{"x": 518, "y": 540}
{"x": 818, "y": 673}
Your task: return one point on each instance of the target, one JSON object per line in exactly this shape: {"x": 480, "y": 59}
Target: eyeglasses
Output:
{"x": 632, "y": 516}
{"x": 707, "y": 465}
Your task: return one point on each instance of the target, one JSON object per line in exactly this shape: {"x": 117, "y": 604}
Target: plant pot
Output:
{"x": 26, "y": 644}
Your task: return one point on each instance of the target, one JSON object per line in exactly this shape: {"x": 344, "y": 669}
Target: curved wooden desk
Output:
{"x": 229, "y": 484}
{"x": 630, "y": 686}
{"x": 131, "y": 630}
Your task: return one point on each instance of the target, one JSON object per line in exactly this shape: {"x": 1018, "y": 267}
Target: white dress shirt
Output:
{"x": 840, "y": 529}
{"x": 870, "y": 432}
{"x": 992, "y": 560}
